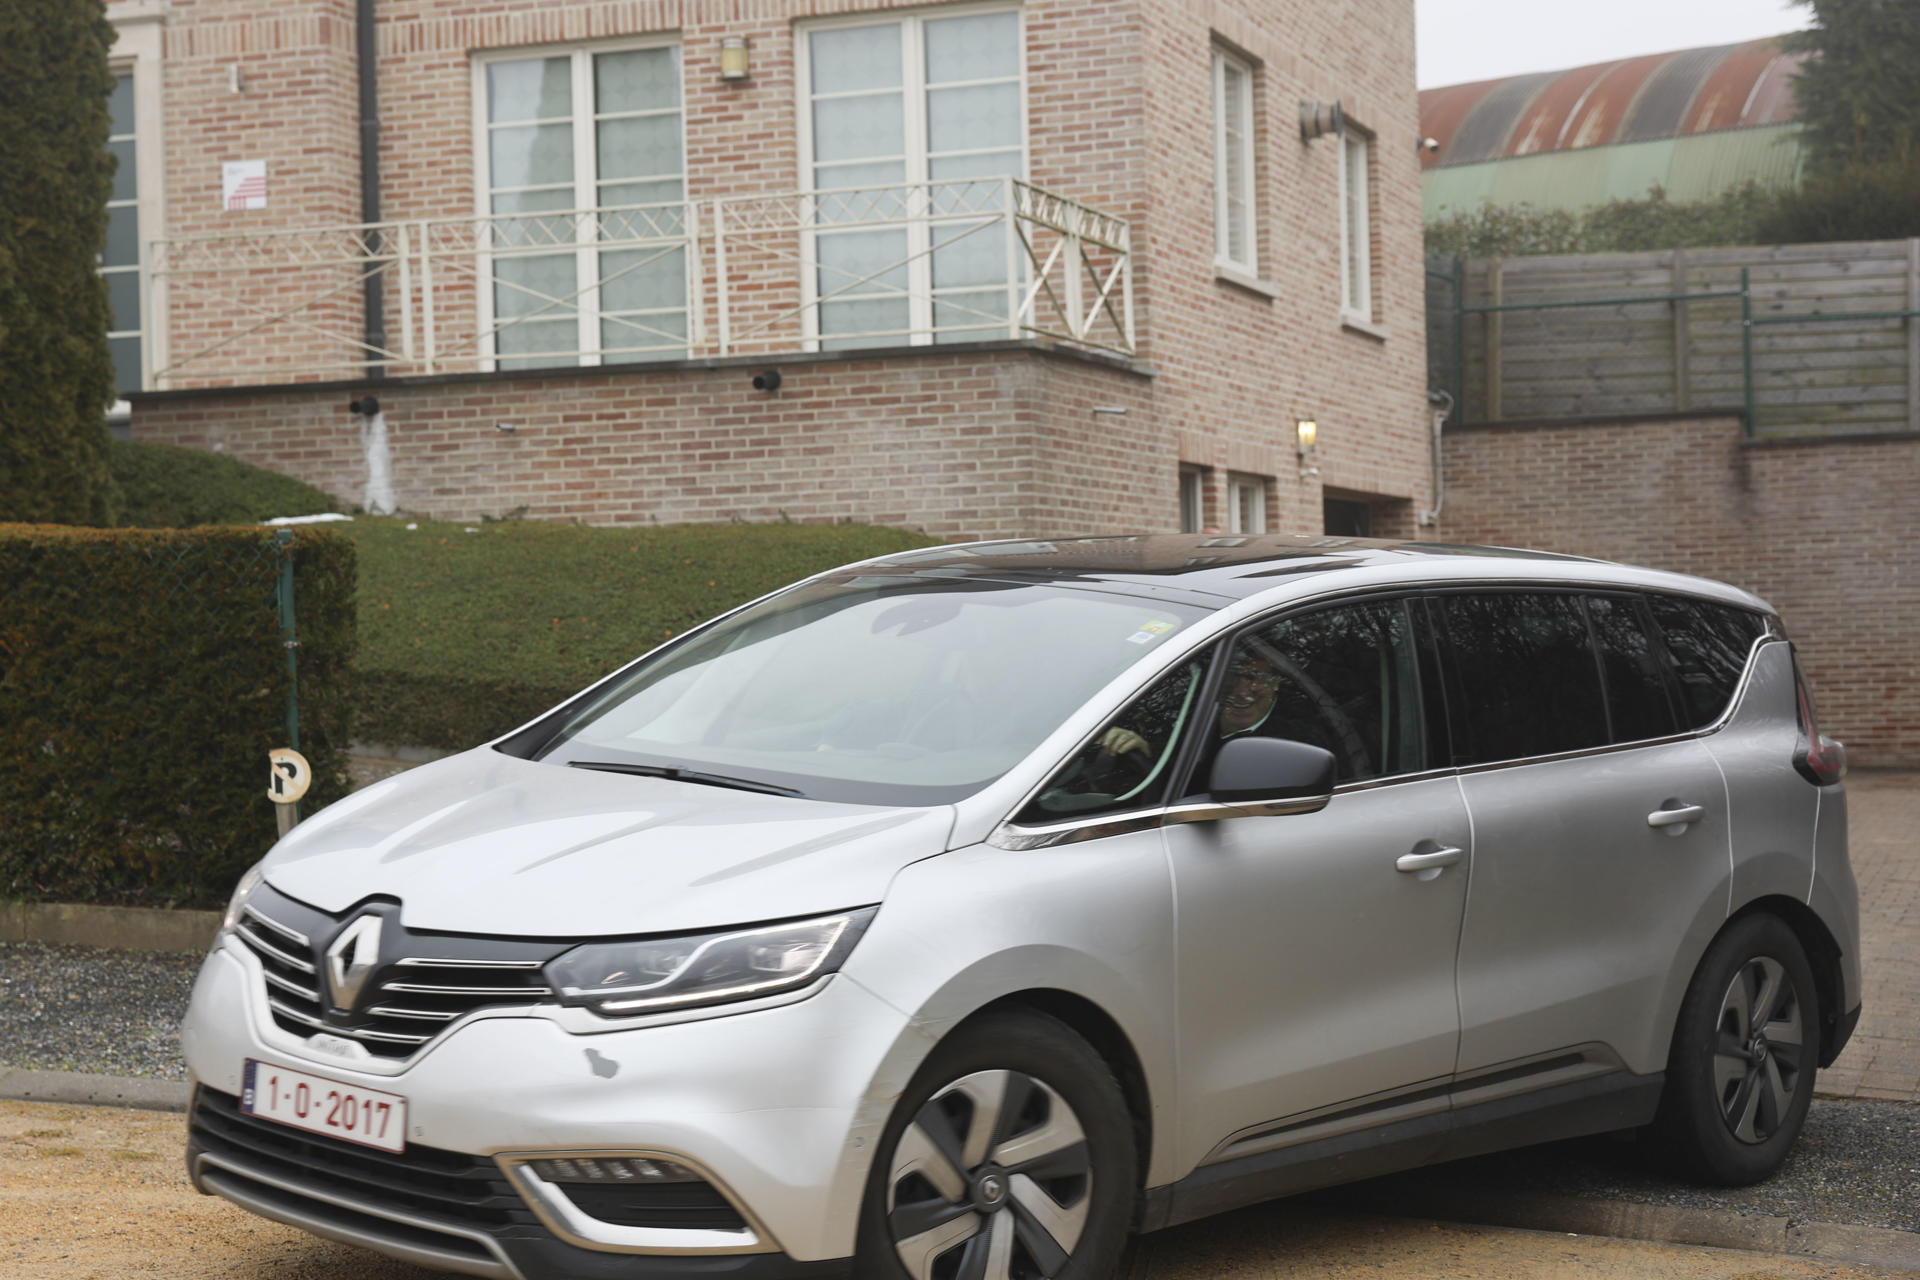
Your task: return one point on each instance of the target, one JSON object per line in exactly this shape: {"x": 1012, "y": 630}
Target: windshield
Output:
{"x": 871, "y": 689}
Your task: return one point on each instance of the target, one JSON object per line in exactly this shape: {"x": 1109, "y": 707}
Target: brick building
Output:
{"x": 1052, "y": 267}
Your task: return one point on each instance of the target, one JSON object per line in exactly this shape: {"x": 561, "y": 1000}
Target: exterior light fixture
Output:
{"x": 1318, "y": 119}
{"x": 1306, "y": 435}
{"x": 736, "y": 58}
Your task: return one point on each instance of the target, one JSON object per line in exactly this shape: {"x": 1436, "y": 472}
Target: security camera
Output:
{"x": 365, "y": 406}
{"x": 768, "y": 381}
{"x": 1430, "y": 145}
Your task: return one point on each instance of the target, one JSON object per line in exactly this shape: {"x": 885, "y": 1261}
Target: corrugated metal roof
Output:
{"x": 1690, "y": 168}
{"x": 1484, "y": 133}
{"x": 1660, "y": 96}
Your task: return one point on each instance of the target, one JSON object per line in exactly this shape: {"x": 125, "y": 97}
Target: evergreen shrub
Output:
{"x": 163, "y": 486}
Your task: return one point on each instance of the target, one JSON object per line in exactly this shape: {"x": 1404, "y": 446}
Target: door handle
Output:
{"x": 1411, "y": 862}
{"x": 1678, "y": 817}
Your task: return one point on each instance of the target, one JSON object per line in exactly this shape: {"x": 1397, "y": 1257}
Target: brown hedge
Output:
{"x": 142, "y": 682}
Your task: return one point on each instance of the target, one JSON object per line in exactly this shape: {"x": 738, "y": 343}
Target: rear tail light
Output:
{"x": 1820, "y": 759}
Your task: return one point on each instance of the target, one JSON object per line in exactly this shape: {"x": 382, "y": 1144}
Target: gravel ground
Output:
{"x": 87, "y": 1009}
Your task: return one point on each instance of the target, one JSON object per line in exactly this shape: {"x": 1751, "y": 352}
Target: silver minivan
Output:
{"x": 955, "y": 914}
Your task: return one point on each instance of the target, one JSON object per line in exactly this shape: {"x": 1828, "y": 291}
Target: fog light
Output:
{"x": 604, "y": 1170}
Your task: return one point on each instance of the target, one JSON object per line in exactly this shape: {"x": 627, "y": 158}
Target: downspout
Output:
{"x": 376, "y": 317}
{"x": 1439, "y": 406}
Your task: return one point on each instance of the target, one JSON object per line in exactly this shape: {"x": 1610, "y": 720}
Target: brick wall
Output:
{"x": 1827, "y": 531}
{"x": 979, "y": 445}
{"x": 1120, "y": 118}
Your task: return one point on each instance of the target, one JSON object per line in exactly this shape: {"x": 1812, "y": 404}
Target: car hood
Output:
{"x": 488, "y": 843}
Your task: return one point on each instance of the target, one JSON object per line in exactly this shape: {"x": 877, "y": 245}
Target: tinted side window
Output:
{"x": 1527, "y": 682}
{"x": 1636, "y": 677}
{"x": 1709, "y": 643}
{"x": 1127, "y": 764}
{"x": 1345, "y": 678}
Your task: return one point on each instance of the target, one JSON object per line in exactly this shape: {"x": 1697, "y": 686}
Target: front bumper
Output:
{"x": 778, "y": 1108}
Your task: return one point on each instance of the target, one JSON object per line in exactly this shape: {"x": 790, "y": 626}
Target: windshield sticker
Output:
{"x": 1151, "y": 631}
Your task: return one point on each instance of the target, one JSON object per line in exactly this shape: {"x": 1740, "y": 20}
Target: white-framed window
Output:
{"x": 1234, "y": 228}
{"x": 1356, "y": 227}
{"x": 1193, "y": 499}
{"x": 1246, "y": 504}
{"x": 120, "y": 259}
{"x": 911, "y": 123}
{"x": 590, "y": 144}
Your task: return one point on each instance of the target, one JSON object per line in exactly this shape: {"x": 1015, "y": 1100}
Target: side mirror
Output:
{"x": 1271, "y": 775}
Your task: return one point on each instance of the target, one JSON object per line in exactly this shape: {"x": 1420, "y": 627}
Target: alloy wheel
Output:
{"x": 1758, "y": 1049}
{"x": 991, "y": 1181}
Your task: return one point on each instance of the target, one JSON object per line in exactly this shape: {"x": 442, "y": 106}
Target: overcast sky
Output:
{"x": 1463, "y": 40}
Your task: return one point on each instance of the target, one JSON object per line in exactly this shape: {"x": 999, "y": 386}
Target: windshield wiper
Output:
{"x": 685, "y": 775}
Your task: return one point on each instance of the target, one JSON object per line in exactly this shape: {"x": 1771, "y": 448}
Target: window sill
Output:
{"x": 1223, "y": 274}
{"x": 1365, "y": 328}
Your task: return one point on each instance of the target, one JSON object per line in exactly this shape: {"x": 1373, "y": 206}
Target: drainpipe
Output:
{"x": 376, "y": 319}
{"x": 1439, "y": 405}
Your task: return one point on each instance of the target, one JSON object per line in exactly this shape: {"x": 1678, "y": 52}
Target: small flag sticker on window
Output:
{"x": 1150, "y": 631}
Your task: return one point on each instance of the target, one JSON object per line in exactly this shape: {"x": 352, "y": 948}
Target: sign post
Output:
{"x": 289, "y": 776}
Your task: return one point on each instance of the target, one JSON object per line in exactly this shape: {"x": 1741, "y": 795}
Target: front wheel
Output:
{"x": 1011, "y": 1156}
{"x": 1745, "y": 1049}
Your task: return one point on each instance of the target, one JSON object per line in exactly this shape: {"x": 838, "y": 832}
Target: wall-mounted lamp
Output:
{"x": 236, "y": 79}
{"x": 736, "y": 58}
{"x": 1306, "y": 439}
{"x": 1318, "y": 119}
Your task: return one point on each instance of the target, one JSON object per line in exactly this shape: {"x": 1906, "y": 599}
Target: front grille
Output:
{"x": 434, "y": 981}
{"x": 440, "y": 1186}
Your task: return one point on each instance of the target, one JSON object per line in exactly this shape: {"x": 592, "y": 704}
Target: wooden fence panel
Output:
{"x": 1811, "y": 376}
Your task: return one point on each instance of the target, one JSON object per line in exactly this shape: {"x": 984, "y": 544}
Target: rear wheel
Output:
{"x": 1010, "y": 1157}
{"x": 1745, "y": 1049}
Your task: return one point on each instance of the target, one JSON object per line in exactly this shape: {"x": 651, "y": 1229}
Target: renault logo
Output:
{"x": 351, "y": 958}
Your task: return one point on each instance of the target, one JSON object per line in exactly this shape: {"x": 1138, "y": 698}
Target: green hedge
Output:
{"x": 469, "y": 630}
{"x": 163, "y": 486}
{"x": 142, "y": 682}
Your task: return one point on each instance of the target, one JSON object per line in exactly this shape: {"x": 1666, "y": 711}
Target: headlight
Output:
{"x": 651, "y": 975}
{"x": 241, "y": 892}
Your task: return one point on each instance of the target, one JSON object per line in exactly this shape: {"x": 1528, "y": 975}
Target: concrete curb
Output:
{"x": 1657, "y": 1224}
{"x": 131, "y": 928}
{"x": 23, "y": 1085}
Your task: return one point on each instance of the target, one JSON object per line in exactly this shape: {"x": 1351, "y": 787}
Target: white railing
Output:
{"x": 752, "y": 275}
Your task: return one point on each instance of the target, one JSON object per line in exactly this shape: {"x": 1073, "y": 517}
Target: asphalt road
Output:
{"x": 98, "y": 1193}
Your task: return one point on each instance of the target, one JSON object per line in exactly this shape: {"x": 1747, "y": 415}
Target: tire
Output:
{"x": 1736, "y": 1092}
{"x": 1010, "y": 1156}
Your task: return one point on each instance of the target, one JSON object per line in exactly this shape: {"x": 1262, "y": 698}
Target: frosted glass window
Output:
{"x": 1233, "y": 164}
{"x": 853, "y": 59}
{"x": 1356, "y": 232}
{"x": 895, "y": 106}
{"x": 598, "y": 131}
{"x": 978, "y": 47}
{"x": 536, "y": 89}
{"x": 120, "y": 259}
{"x": 637, "y": 80}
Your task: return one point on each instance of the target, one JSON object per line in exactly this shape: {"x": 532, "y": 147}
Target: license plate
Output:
{"x": 319, "y": 1105}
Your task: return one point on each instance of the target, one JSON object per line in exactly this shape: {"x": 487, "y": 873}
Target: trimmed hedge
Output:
{"x": 164, "y": 486}
{"x": 56, "y": 176}
{"x": 142, "y": 682}
{"x": 470, "y": 630}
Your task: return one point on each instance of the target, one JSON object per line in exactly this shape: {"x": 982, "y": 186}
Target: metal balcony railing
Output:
{"x": 914, "y": 264}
